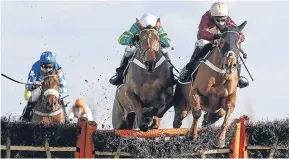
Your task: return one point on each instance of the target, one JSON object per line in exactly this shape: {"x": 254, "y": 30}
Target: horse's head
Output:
{"x": 149, "y": 44}
{"x": 50, "y": 88}
{"x": 230, "y": 46}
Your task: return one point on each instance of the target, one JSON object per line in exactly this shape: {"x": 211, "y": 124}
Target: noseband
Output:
{"x": 48, "y": 92}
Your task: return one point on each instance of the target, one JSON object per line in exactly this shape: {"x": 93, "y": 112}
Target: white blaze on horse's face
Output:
{"x": 229, "y": 49}
{"x": 52, "y": 96}
{"x": 230, "y": 62}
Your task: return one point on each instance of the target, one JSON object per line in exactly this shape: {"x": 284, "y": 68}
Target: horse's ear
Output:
{"x": 58, "y": 72}
{"x": 241, "y": 27}
{"x": 139, "y": 24}
{"x": 158, "y": 24}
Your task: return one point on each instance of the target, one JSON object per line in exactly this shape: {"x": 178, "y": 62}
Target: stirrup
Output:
{"x": 243, "y": 85}
{"x": 115, "y": 80}
{"x": 113, "y": 76}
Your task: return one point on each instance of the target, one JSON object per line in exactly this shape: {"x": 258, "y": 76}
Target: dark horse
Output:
{"x": 148, "y": 84}
{"x": 48, "y": 108}
{"x": 214, "y": 90}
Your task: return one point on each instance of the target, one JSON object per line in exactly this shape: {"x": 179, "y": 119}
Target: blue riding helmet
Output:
{"x": 47, "y": 57}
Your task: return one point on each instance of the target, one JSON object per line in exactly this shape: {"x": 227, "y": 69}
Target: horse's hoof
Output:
{"x": 206, "y": 124}
{"x": 220, "y": 143}
{"x": 177, "y": 125}
{"x": 191, "y": 137}
{"x": 144, "y": 128}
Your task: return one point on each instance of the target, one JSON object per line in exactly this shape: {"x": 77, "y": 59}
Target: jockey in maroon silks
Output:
{"x": 209, "y": 33}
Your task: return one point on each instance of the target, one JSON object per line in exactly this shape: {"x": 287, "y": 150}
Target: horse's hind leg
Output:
{"x": 229, "y": 107}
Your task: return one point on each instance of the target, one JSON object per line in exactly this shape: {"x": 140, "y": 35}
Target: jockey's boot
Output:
{"x": 241, "y": 82}
{"x": 174, "y": 80}
{"x": 190, "y": 66}
{"x": 27, "y": 112}
{"x": 118, "y": 78}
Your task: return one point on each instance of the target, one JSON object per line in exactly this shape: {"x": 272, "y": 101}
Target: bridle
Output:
{"x": 156, "y": 51}
{"x": 48, "y": 92}
{"x": 222, "y": 41}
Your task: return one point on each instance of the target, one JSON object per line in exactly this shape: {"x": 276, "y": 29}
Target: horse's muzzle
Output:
{"x": 150, "y": 66}
{"x": 51, "y": 102}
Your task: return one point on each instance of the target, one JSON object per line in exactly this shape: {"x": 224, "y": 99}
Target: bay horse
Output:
{"x": 214, "y": 89}
{"x": 48, "y": 108}
{"x": 148, "y": 84}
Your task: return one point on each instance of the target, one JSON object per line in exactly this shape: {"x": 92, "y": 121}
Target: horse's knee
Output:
{"x": 197, "y": 114}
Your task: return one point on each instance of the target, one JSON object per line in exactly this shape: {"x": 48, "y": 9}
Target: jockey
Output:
{"x": 128, "y": 38}
{"x": 208, "y": 33}
{"x": 79, "y": 109}
{"x": 41, "y": 68}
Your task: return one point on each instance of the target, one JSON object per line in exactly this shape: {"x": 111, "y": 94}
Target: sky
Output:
{"x": 84, "y": 37}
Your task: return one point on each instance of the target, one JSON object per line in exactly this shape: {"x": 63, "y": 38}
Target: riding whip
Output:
{"x": 15, "y": 80}
{"x": 245, "y": 64}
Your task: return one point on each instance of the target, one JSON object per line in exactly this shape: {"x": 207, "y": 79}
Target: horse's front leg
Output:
{"x": 167, "y": 101}
{"x": 137, "y": 107}
{"x": 195, "y": 103}
{"x": 229, "y": 108}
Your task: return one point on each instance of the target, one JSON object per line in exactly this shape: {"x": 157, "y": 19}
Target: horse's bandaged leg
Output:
{"x": 35, "y": 94}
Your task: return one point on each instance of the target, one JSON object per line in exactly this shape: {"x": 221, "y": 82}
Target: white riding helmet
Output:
{"x": 148, "y": 19}
{"x": 219, "y": 9}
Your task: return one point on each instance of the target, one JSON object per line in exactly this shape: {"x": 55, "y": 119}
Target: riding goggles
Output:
{"x": 220, "y": 19}
{"x": 47, "y": 66}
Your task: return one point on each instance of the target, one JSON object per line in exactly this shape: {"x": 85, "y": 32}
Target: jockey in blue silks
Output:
{"x": 40, "y": 69}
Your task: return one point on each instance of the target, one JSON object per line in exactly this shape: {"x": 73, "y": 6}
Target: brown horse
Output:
{"x": 148, "y": 84}
{"x": 48, "y": 109}
{"x": 214, "y": 90}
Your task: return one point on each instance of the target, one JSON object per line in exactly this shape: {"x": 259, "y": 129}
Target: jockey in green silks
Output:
{"x": 128, "y": 38}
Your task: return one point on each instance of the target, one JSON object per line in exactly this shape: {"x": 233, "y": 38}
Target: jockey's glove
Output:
{"x": 136, "y": 38}
{"x": 36, "y": 84}
{"x": 217, "y": 36}
{"x": 244, "y": 55}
